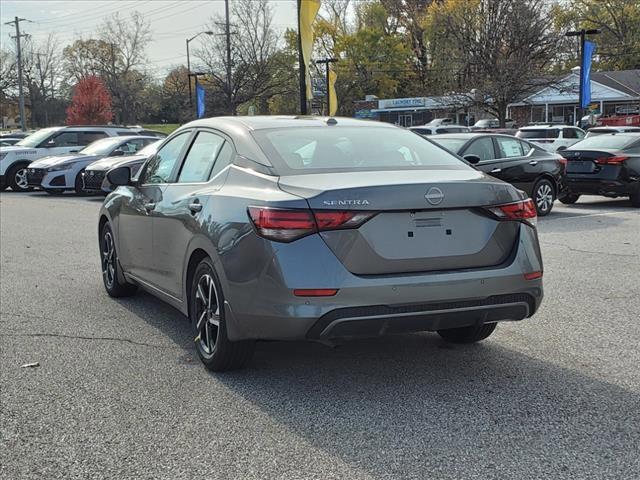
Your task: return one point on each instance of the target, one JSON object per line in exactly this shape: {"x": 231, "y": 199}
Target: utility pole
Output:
{"x": 189, "y": 74}
{"x": 16, "y": 22}
{"x": 582, "y": 34}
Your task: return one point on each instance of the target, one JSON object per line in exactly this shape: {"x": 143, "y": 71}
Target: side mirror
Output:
{"x": 561, "y": 148}
{"x": 49, "y": 144}
{"x": 119, "y": 176}
{"x": 472, "y": 159}
{"x": 117, "y": 153}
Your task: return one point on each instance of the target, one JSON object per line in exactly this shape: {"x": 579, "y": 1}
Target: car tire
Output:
{"x": 54, "y": 192}
{"x": 110, "y": 266}
{"x": 569, "y": 199}
{"x": 77, "y": 184}
{"x": 472, "y": 334}
{"x": 207, "y": 315}
{"x": 543, "y": 196}
{"x": 17, "y": 178}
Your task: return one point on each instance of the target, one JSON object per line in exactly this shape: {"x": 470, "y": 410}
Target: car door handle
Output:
{"x": 195, "y": 207}
{"x": 149, "y": 206}
{"x": 496, "y": 170}
{"x": 533, "y": 162}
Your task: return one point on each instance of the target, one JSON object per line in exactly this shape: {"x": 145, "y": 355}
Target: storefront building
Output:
{"x": 612, "y": 93}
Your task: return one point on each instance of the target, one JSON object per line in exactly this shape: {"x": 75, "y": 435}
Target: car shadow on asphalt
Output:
{"x": 400, "y": 406}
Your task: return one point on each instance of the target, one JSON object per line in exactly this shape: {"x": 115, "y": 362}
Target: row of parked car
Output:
{"x": 56, "y": 159}
{"x": 605, "y": 161}
{"x": 554, "y": 162}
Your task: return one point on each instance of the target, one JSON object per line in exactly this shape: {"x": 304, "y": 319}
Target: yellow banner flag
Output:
{"x": 306, "y": 17}
{"x": 333, "y": 98}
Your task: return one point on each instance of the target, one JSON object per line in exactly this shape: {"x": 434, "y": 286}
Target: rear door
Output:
{"x": 135, "y": 221}
{"x": 178, "y": 217}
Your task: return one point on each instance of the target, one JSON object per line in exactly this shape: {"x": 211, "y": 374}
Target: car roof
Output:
{"x": 259, "y": 122}
{"x": 546, "y": 126}
{"x": 470, "y": 135}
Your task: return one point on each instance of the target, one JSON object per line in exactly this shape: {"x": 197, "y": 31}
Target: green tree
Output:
{"x": 619, "y": 21}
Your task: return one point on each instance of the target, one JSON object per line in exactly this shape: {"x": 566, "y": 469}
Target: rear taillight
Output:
{"x": 522, "y": 211}
{"x": 284, "y": 225}
{"x": 610, "y": 160}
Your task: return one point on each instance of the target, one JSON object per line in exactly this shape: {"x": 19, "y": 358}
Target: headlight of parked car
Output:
{"x": 57, "y": 168}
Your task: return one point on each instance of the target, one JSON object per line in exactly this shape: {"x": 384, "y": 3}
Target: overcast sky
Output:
{"x": 172, "y": 21}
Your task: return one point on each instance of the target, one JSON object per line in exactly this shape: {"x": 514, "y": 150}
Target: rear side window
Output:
{"x": 422, "y": 131}
{"x": 199, "y": 161}
{"x": 317, "y": 149}
{"x": 541, "y": 133}
{"x": 509, "y": 147}
{"x": 86, "y": 138}
{"x": 569, "y": 133}
{"x": 224, "y": 158}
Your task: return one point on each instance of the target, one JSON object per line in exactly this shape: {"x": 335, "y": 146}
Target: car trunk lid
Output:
{"x": 425, "y": 220}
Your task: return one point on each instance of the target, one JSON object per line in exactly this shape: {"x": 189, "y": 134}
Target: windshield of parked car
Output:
{"x": 149, "y": 149}
{"x": 451, "y": 144}
{"x": 36, "y": 138}
{"x": 539, "y": 133}
{"x": 321, "y": 149}
{"x": 104, "y": 146}
{"x": 614, "y": 141}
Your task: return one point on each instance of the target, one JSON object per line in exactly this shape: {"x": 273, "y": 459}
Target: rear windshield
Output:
{"x": 608, "y": 142}
{"x": 539, "y": 133}
{"x": 321, "y": 149}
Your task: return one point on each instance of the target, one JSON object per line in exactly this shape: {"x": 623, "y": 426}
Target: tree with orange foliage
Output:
{"x": 91, "y": 103}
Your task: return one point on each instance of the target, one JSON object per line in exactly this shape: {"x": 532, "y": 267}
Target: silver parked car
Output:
{"x": 59, "y": 173}
{"x": 94, "y": 177}
{"x": 295, "y": 228}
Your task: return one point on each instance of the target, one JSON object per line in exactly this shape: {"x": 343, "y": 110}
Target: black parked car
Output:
{"x": 524, "y": 165}
{"x": 607, "y": 165}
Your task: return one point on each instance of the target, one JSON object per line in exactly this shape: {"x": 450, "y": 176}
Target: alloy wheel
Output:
{"x": 108, "y": 259}
{"x": 21, "y": 178}
{"x": 544, "y": 197}
{"x": 208, "y": 314}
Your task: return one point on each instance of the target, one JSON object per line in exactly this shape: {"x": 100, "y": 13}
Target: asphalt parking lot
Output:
{"x": 119, "y": 392}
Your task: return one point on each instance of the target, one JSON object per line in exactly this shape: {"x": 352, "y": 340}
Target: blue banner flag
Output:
{"x": 585, "y": 73}
{"x": 199, "y": 99}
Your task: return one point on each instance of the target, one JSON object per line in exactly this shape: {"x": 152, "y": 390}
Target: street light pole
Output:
{"x": 189, "y": 75}
{"x": 582, "y": 34}
{"x": 326, "y": 62}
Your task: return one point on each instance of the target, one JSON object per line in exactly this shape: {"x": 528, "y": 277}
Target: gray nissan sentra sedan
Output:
{"x": 317, "y": 228}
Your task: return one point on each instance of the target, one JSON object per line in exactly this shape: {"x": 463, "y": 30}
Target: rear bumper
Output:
{"x": 583, "y": 185}
{"x": 266, "y": 307}
{"x": 381, "y": 319}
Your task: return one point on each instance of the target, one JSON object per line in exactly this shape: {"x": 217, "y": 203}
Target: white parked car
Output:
{"x": 488, "y": 123}
{"x": 434, "y": 130}
{"x": 551, "y": 137}
{"x": 46, "y": 142}
{"x": 64, "y": 172}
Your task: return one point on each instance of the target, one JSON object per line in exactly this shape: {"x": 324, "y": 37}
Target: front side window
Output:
{"x": 160, "y": 166}
{"x": 483, "y": 148}
{"x": 539, "y": 133}
{"x": 66, "y": 139}
{"x": 199, "y": 161}
{"x": 569, "y": 133}
{"x": 509, "y": 147}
